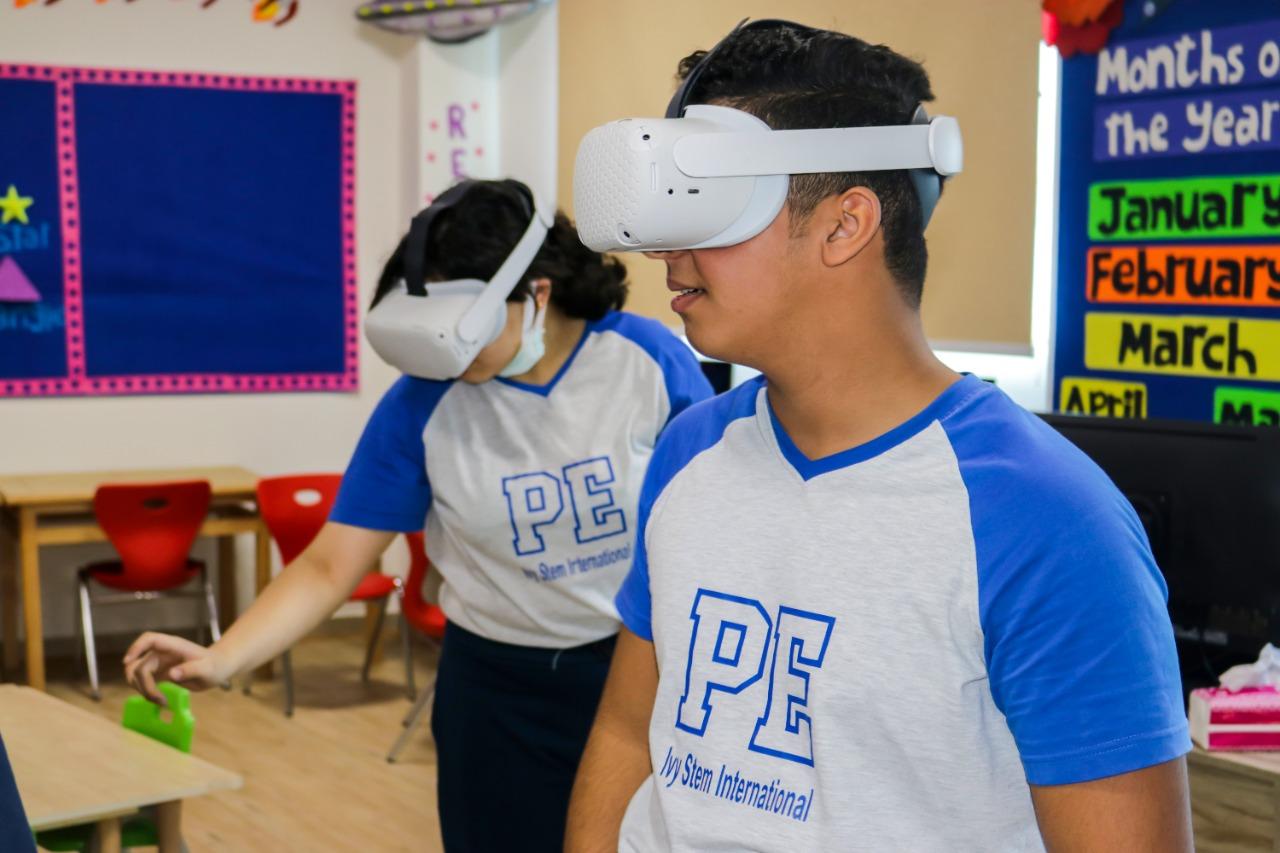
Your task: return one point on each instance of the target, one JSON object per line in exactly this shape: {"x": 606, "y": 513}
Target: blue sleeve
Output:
{"x": 1078, "y": 644}
{"x": 385, "y": 486}
{"x": 695, "y": 430}
{"x": 685, "y": 382}
{"x": 634, "y": 602}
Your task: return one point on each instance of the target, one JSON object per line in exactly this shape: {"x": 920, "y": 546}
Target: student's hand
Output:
{"x": 169, "y": 658}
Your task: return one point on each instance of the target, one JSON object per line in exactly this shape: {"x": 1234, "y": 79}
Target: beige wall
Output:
{"x": 618, "y": 59}
{"x": 272, "y": 433}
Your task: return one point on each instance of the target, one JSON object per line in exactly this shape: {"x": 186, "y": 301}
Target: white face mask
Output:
{"x": 533, "y": 344}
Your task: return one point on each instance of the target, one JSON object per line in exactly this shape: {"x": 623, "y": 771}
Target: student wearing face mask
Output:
{"x": 525, "y": 472}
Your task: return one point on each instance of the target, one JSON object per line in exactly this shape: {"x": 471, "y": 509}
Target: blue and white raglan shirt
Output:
{"x": 880, "y": 649}
{"x": 528, "y": 492}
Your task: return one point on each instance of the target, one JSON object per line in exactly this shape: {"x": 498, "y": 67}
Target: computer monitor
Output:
{"x": 1209, "y": 497}
{"x": 718, "y": 373}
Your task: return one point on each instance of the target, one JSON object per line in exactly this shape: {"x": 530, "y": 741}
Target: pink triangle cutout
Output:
{"x": 14, "y": 284}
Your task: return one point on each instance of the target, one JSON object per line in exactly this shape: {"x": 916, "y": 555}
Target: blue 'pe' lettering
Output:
{"x": 533, "y": 501}
{"x": 726, "y": 653}
{"x": 800, "y": 644}
{"x": 594, "y": 510}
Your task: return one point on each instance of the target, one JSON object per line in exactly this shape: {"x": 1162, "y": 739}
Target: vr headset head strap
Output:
{"x": 472, "y": 325}
{"x": 419, "y": 229}
{"x": 926, "y": 181}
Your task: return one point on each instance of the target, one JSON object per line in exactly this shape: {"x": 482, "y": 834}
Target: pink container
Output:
{"x": 1247, "y": 719}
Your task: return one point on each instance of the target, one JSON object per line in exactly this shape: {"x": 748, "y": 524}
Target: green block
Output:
{"x": 1185, "y": 208}
{"x": 174, "y": 725}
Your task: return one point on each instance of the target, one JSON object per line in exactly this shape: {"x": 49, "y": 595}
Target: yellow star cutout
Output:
{"x": 14, "y": 206}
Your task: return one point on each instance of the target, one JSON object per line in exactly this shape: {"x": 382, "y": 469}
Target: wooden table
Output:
{"x": 73, "y": 767}
{"x": 1235, "y": 800}
{"x": 57, "y": 509}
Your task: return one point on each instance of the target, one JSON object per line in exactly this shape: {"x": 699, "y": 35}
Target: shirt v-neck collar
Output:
{"x": 808, "y": 468}
{"x": 545, "y": 390}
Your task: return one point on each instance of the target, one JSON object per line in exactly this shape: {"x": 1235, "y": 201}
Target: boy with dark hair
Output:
{"x": 874, "y": 605}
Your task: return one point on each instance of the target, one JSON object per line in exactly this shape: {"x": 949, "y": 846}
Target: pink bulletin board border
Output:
{"x": 69, "y": 206}
{"x": 76, "y": 381}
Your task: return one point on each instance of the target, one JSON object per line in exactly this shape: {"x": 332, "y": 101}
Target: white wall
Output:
{"x": 528, "y": 92}
{"x": 1028, "y": 377}
{"x": 455, "y": 126}
{"x": 496, "y": 116}
{"x": 270, "y": 433}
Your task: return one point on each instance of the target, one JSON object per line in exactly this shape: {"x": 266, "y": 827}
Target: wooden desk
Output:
{"x": 57, "y": 509}
{"x": 1235, "y": 800}
{"x": 73, "y": 767}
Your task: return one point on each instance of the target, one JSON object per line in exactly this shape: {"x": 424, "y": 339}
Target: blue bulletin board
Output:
{"x": 1168, "y": 291}
{"x": 175, "y": 233}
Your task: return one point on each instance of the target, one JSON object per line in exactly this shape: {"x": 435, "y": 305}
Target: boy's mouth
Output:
{"x": 685, "y": 295}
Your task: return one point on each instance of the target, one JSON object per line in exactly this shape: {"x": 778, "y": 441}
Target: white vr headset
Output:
{"x": 707, "y": 176}
{"x": 435, "y": 330}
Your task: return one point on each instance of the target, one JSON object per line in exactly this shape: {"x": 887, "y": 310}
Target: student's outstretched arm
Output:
{"x": 304, "y": 595}
{"x": 1146, "y": 811}
{"x": 616, "y": 761}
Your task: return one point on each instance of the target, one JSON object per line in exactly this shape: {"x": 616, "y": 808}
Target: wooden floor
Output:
{"x": 318, "y": 781}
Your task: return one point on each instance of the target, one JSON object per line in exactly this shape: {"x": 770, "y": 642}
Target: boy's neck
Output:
{"x": 859, "y": 374}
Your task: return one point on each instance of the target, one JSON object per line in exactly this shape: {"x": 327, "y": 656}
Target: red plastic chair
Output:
{"x": 294, "y": 508}
{"x": 428, "y": 619}
{"x": 152, "y": 527}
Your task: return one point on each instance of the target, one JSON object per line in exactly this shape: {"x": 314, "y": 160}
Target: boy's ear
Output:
{"x": 847, "y": 222}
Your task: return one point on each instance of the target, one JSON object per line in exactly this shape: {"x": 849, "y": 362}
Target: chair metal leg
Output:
{"x": 287, "y": 665}
{"x": 211, "y": 613}
{"x": 90, "y": 650}
{"x": 202, "y": 618}
{"x": 406, "y": 650}
{"x": 79, "y": 642}
{"x": 373, "y": 638}
{"x": 423, "y": 700}
{"x": 210, "y": 605}
{"x": 416, "y": 707}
